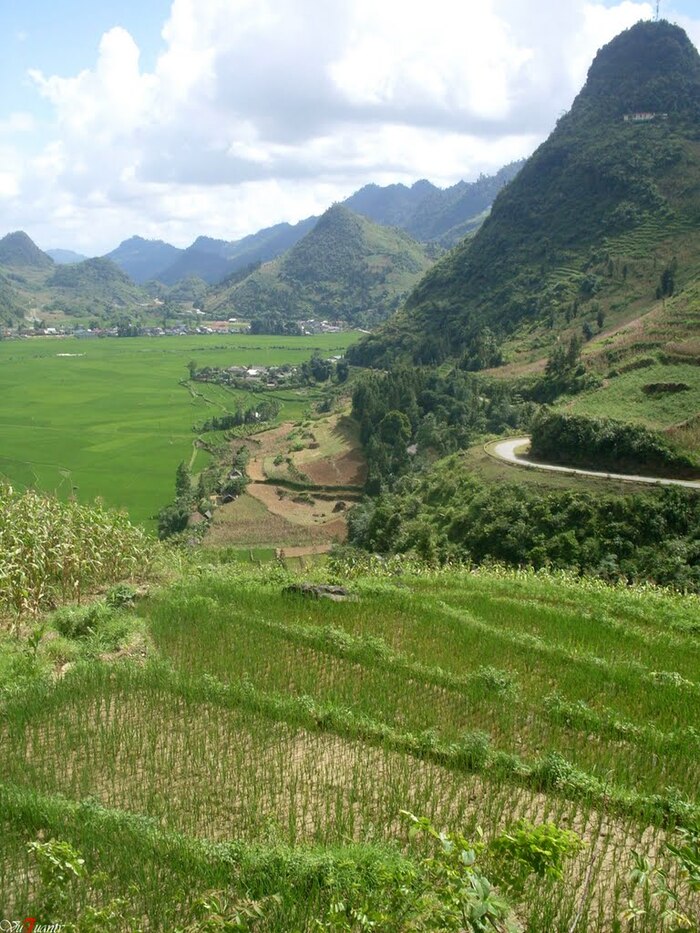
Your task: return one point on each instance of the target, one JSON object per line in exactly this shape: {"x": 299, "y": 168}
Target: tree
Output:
{"x": 320, "y": 369}
{"x": 183, "y": 481}
{"x": 395, "y": 430}
{"x": 342, "y": 371}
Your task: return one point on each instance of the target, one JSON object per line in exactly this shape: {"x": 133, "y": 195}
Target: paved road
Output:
{"x": 505, "y": 450}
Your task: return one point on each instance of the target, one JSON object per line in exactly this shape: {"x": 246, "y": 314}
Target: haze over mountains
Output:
{"x": 601, "y": 223}
{"x": 424, "y": 211}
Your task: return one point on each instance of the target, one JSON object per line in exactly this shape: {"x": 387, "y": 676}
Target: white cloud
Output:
{"x": 263, "y": 110}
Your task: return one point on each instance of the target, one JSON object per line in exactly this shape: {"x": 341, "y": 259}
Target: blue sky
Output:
{"x": 174, "y": 118}
{"x": 63, "y": 38}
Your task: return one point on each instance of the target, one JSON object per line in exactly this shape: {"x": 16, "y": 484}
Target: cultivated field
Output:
{"x": 282, "y": 736}
{"x": 304, "y": 475}
{"x": 109, "y": 418}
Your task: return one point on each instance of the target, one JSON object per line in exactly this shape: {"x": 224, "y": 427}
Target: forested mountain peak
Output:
{"x": 346, "y": 268}
{"x": 18, "y": 250}
{"x": 615, "y": 189}
{"x": 653, "y": 67}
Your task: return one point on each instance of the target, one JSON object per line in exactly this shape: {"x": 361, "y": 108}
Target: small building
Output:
{"x": 644, "y": 116}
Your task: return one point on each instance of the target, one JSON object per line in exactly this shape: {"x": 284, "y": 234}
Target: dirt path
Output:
{"x": 506, "y": 451}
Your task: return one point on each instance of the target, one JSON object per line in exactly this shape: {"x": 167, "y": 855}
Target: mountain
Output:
{"x": 600, "y": 223}
{"x": 428, "y": 213}
{"x": 92, "y": 286}
{"x": 214, "y": 260}
{"x": 424, "y": 211}
{"x": 64, "y": 256}
{"x": 143, "y": 260}
{"x": 18, "y": 251}
{"x": 346, "y": 268}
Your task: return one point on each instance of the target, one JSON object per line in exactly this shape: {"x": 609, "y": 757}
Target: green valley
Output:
{"x": 110, "y": 417}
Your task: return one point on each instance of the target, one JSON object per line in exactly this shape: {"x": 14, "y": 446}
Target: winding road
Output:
{"x": 506, "y": 450}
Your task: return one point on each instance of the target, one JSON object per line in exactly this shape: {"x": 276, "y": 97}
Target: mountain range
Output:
{"x": 599, "y": 227}
{"x": 379, "y": 264}
{"x": 426, "y": 212}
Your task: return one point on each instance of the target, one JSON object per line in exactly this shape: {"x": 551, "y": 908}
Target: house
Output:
{"x": 643, "y": 116}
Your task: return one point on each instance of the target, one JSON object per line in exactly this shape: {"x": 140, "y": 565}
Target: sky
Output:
{"x": 170, "y": 119}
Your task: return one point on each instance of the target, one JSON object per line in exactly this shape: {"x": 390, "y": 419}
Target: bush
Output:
{"x": 604, "y": 443}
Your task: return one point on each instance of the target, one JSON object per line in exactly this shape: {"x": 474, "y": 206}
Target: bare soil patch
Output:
{"x": 323, "y": 463}
{"x": 318, "y": 515}
{"x": 249, "y": 523}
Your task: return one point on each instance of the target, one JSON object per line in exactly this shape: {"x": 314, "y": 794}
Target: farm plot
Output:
{"x": 539, "y": 681}
{"x": 304, "y": 476}
{"x": 287, "y": 728}
{"x": 136, "y": 742}
{"x": 248, "y": 522}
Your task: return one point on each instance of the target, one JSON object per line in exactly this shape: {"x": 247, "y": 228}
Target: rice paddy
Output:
{"x": 110, "y": 418}
{"x": 271, "y": 729}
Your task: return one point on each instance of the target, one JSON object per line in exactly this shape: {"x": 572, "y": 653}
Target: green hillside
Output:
{"x": 601, "y": 221}
{"x": 18, "y": 251}
{"x": 33, "y": 287}
{"x": 93, "y": 286}
{"x": 346, "y": 268}
{"x": 10, "y": 304}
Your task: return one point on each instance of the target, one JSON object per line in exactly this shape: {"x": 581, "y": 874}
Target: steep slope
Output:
{"x": 143, "y": 260}
{"x": 602, "y": 220}
{"x": 93, "y": 286}
{"x": 346, "y": 268}
{"x": 11, "y": 306}
{"x": 18, "y": 251}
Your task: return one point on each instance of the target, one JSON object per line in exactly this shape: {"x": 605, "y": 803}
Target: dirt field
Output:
{"x": 281, "y": 506}
{"x": 318, "y": 514}
{"x": 247, "y": 522}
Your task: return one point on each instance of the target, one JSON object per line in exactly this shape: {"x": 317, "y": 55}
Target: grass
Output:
{"x": 517, "y": 641}
{"x": 623, "y": 398}
{"x": 490, "y": 469}
{"x": 112, "y": 420}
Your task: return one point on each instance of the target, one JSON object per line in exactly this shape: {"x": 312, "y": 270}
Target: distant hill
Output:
{"x": 601, "y": 222}
{"x": 143, "y": 260}
{"x": 346, "y": 268}
{"x": 19, "y": 251}
{"x": 95, "y": 285}
{"x": 65, "y": 256}
{"x": 214, "y": 260}
{"x": 428, "y": 213}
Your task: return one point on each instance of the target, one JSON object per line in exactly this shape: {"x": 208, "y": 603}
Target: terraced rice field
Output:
{"x": 273, "y": 730}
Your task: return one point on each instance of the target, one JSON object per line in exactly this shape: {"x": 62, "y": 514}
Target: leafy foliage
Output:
{"x": 439, "y": 413}
{"x": 52, "y": 551}
{"x": 447, "y": 514}
{"x": 604, "y": 443}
